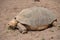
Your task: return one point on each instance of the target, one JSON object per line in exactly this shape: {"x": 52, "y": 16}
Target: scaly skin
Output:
{"x": 22, "y": 28}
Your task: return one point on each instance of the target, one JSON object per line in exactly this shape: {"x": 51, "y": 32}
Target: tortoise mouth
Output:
{"x": 12, "y": 27}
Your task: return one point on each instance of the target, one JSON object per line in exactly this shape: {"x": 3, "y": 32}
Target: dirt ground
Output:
{"x": 10, "y": 8}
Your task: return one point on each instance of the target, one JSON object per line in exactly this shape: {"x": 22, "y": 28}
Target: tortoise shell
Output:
{"x": 36, "y": 16}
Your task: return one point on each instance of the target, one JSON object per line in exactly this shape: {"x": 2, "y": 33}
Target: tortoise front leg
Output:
{"x": 21, "y": 28}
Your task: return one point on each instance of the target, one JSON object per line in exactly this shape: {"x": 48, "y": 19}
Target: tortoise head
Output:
{"x": 12, "y": 24}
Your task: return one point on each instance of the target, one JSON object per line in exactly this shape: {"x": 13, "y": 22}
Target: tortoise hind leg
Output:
{"x": 54, "y": 23}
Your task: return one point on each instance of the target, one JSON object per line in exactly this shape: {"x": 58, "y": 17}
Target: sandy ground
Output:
{"x": 10, "y": 8}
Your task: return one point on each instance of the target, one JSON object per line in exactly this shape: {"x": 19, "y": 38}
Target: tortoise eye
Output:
{"x": 15, "y": 18}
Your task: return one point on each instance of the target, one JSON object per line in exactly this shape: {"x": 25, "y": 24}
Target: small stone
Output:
{"x": 51, "y": 37}
{"x": 43, "y": 39}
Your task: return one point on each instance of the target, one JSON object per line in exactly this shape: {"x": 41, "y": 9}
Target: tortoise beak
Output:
{"x": 9, "y": 27}
{"x": 12, "y": 27}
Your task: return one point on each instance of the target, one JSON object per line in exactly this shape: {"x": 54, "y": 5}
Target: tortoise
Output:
{"x": 33, "y": 18}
